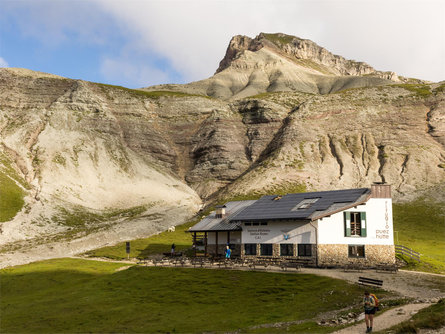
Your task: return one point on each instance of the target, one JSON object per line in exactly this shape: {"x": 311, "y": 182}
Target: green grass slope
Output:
{"x": 143, "y": 248}
{"x": 11, "y": 190}
{"x": 72, "y": 296}
{"x": 420, "y": 225}
{"x": 11, "y": 198}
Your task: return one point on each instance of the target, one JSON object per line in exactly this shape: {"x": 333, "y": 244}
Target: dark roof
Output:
{"x": 211, "y": 223}
{"x": 293, "y": 206}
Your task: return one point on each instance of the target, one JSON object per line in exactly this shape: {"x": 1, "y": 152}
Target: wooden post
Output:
{"x": 216, "y": 241}
{"x": 228, "y": 237}
{"x": 194, "y": 244}
{"x": 205, "y": 246}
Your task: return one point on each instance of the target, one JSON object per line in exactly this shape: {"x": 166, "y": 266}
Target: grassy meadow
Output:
{"x": 73, "y": 295}
{"x": 421, "y": 227}
{"x": 143, "y": 248}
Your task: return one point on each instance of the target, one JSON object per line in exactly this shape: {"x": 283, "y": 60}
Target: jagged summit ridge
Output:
{"x": 298, "y": 49}
{"x": 280, "y": 63}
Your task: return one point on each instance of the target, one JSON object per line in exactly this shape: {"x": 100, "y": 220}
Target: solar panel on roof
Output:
{"x": 265, "y": 208}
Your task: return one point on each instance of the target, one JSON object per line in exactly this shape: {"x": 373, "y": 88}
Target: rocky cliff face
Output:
{"x": 279, "y": 62}
{"x": 297, "y": 49}
{"x": 353, "y": 139}
{"x": 93, "y": 159}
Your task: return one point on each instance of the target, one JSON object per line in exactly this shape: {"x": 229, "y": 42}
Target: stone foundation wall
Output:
{"x": 337, "y": 255}
{"x": 380, "y": 254}
{"x": 275, "y": 250}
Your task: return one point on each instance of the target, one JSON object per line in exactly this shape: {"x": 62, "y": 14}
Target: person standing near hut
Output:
{"x": 228, "y": 252}
{"x": 173, "y": 249}
{"x": 370, "y": 308}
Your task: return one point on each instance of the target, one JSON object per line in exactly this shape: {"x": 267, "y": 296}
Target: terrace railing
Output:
{"x": 412, "y": 254}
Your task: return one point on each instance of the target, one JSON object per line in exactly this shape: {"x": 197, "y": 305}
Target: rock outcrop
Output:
{"x": 297, "y": 49}
{"x": 279, "y": 62}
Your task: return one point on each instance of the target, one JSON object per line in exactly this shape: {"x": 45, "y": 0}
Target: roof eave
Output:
{"x": 268, "y": 219}
{"x": 191, "y": 231}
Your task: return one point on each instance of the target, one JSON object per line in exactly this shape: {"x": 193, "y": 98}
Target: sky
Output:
{"x": 136, "y": 43}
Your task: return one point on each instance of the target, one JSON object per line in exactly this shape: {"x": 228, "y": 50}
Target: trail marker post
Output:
{"x": 127, "y": 248}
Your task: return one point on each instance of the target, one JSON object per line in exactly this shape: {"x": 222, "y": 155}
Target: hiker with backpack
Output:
{"x": 371, "y": 304}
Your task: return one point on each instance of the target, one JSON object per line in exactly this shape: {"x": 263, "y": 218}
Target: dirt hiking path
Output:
{"x": 387, "y": 319}
{"x": 416, "y": 285}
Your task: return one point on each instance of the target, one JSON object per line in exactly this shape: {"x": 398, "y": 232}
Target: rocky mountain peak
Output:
{"x": 298, "y": 49}
{"x": 237, "y": 44}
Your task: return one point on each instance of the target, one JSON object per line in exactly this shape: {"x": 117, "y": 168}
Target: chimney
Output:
{"x": 380, "y": 190}
{"x": 220, "y": 211}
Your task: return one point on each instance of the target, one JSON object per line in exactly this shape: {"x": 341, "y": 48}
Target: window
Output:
{"x": 248, "y": 224}
{"x": 266, "y": 249}
{"x": 286, "y": 250}
{"x": 263, "y": 223}
{"x": 355, "y": 224}
{"x": 255, "y": 224}
{"x": 356, "y": 251}
{"x": 305, "y": 204}
{"x": 305, "y": 250}
{"x": 250, "y": 249}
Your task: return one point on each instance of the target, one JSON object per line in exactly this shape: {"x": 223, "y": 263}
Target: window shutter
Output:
{"x": 363, "y": 224}
{"x": 347, "y": 216}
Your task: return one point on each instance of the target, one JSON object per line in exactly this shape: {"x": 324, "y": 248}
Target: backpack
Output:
{"x": 377, "y": 303}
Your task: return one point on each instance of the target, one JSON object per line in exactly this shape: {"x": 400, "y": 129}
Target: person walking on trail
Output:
{"x": 228, "y": 252}
{"x": 370, "y": 308}
{"x": 173, "y": 249}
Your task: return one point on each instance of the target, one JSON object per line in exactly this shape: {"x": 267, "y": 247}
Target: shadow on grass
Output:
{"x": 93, "y": 297}
{"x": 156, "y": 250}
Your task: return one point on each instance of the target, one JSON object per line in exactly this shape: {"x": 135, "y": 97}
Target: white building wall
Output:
{"x": 278, "y": 232}
{"x": 331, "y": 230}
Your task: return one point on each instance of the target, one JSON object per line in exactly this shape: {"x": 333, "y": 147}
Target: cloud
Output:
{"x": 407, "y": 37}
{"x": 192, "y": 35}
{"x": 3, "y": 62}
{"x": 184, "y": 40}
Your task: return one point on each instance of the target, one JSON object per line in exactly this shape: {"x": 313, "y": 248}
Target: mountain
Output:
{"x": 84, "y": 165}
{"x": 279, "y": 62}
